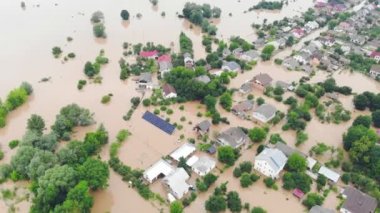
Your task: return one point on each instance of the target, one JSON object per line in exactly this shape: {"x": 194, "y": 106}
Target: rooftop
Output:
{"x": 266, "y": 110}
{"x": 274, "y": 157}
{"x": 177, "y": 182}
{"x": 263, "y": 79}
{"x": 329, "y": 174}
{"x": 167, "y": 89}
{"x": 183, "y": 151}
{"x": 161, "y": 167}
{"x": 358, "y": 202}
{"x": 234, "y": 136}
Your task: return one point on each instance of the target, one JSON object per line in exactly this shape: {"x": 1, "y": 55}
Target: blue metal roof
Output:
{"x": 158, "y": 122}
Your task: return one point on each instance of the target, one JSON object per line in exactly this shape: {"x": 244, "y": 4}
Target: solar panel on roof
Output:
{"x": 158, "y": 122}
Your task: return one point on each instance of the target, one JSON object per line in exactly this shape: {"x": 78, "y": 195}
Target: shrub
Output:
{"x": 57, "y": 51}
{"x": 124, "y": 15}
{"x": 106, "y": 99}
{"x": 146, "y": 102}
{"x": 13, "y": 144}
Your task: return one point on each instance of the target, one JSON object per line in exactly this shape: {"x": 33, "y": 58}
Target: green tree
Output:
{"x": 313, "y": 199}
{"x": 99, "y": 30}
{"x": 376, "y": 118}
{"x": 176, "y": 207}
{"x": 267, "y": 52}
{"x": 245, "y": 180}
{"x": 74, "y": 153}
{"x": 226, "y": 101}
{"x": 257, "y": 134}
{"x": 41, "y": 161}
{"x": 95, "y": 172}
{"x": 21, "y": 160}
{"x": 124, "y": 15}
{"x": 226, "y": 154}
{"x": 360, "y": 150}
{"x": 361, "y": 102}
{"x": 294, "y": 180}
{"x": 216, "y": 203}
{"x": 258, "y": 210}
{"x": 321, "y": 182}
{"x": 234, "y": 202}
{"x": 78, "y": 200}
{"x": 296, "y": 163}
{"x": 363, "y": 120}
{"x": 355, "y": 133}
{"x": 16, "y": 98}
{"x": 56, "y": 182}
{"x": 36, "y": 123}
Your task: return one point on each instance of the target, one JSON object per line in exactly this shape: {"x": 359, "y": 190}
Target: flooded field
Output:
{"x": 28, "y": 36}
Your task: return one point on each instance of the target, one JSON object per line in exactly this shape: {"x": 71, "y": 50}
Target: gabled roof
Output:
{"x": 358, "y": 202}
{"x": 167, "y": 89}
{"x": 287, "y": 150}
{"x": 165, "y": 57}
{"x": 263, "y": 79}
{"x": 329, "y": 174}
{"x": 183, "y": 151}
{"x": 320, "y": 209}
{"x": 274, "y": 157}
{"x": 160, "y": 167}
{"x": 243, "y": 106}
{"x": 145, "y": 77}
{"x": 204, "y": 126}
{"x": 203, "y": 78}
{"x": 234, "y": 136}
{"x": 266, "y": 110}
{"x": 177, "y": 182}
{"x": 147, "y": 54}
{"x": 204, "y": 164}
{"x": 232, "y": 65}
{"x": 158, "y": 122}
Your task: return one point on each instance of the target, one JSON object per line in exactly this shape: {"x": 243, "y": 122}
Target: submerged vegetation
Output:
{"x": 200, "y": 15}
{"x": 15, "y": 99}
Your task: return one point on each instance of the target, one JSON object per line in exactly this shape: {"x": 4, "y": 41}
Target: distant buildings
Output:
{"x": 270, "y": 162}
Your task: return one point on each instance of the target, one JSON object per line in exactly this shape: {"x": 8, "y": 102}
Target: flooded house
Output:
{"x": 149, "y": 54}
{"x": 375, "y": 71}
{"x": 183, "y": 151}
{"x": 203, "y": 78}
{"x": 234, "y": 137}
{"x": 168, "y": 91}
{"x": 145, "y": 80}
{"x": 357, "y": 201}
{"x": 245, "y": 88}
{"x": 262, "y": 81}
{"x": 203, "y": 127}
{"x": 290, "y": 63}
{"x": 176, "y": 183}
{"x": 270, "y": 162}
{"x": 158, "y": 170}
{"x": 250, "y": 55}
{"x": 165, "y": 64}
{"x": 264, "y": 113}
{"x": 242, "y": 109}
{"x": 231, "y": 66}
{"x": 375, "y": 55}
{"x": 201, "y": 165}
{"x": 358, "y": 39}
{"x": 320, "y": 209}
{"x": 188, "y": 60}
{"x": 302, "y": 57}
{"x": 331, "y": 175}
{"x": 285, "y": 86}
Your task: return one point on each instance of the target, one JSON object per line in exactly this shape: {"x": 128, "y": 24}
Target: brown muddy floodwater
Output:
{"x": 27, "y": 37}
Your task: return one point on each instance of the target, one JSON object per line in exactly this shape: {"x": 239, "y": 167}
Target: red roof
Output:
{"x": 163, "y": 58}
{"x": 147, "y": 54}
{"x": 374, "y": 54}
{"x": 298, "y": 193}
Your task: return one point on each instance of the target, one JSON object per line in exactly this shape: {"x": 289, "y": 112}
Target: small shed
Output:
{"x": 298, "y": 193}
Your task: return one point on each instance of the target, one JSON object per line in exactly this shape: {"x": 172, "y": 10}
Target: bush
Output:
{"x": 124, "y": 15}
{"x": 99, "y": 30}
{"x": 56, "y": 52}
{"x": 313, "y": 199}
{"x": 269, "y": 182}
{"x": 245, "y": 180}
{"x": 81, "y": 84}
{"x": 71, "y": 55}
{"x": 106, "y": 99}
{"x": 146, "y": 102}
{"x": 13, "y": 144}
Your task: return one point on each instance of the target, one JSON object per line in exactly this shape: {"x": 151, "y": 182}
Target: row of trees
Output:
{"x": 97, "y": 20}
{"x": 268, "y": 5}
{"x": 367, "y": 100}
{"x": 15, "y": 99}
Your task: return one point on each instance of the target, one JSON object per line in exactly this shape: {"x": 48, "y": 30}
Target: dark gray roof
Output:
{"x": 246, "y": 87}
{"x": 287, "y": 150}
{"x": 232, "y": 65}
{"x": 165, "y": 65}
{"x": 320, "y": 209}
{"x": 203, "y": 78}
{"x": 233, "y": 136}
{"x": 264, "y": 79}
{"x": 282, "y": 84}
{"x": 358, "y": 202}
{"x": 266, "y": 110}
{"x": 243, "y": 106}
{"x": 204, "y": 125}
{"x": 145, "y": 77}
